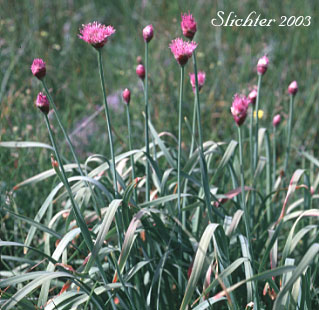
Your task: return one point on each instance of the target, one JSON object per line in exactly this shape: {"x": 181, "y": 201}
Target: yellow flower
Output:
{"x": 260, "y": 114}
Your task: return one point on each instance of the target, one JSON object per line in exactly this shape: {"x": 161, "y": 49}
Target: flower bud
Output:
{"x": 148, "y": 33}
{"x": 252, "y": 96}
{"x": 262, "y": 65}
{"x": 38, "y": 68}
{"x": 293, "y": 88}
{"x": 140, "y": 71}
{"x": 43, "y": 103}
{"x": 188, "y": 26}
{"x": 126, "y": 96}
{"x": 276, "y": 120}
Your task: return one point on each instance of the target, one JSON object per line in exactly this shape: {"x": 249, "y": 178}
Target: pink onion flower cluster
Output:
{"x": 126, "y": 96}
{"x": 96, "y": 34}
{"x": 38, "y": 68}
{"x": 42, "y": 103}
{"x": 182, "y": 50}
{"x": 201, "y": 77}
{"x": 148, "y": 33}
{"x": 262, "y": 65}
{"x": 276, "y": 120}
{"x": 188, "y": 26}
{"x": 239, "y": 109}
{"x": 293, "y": 88}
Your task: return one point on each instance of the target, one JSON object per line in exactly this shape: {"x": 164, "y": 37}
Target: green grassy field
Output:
{"x": 228, "y": 55}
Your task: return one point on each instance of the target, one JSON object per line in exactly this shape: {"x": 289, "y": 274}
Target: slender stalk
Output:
{"x": 108, "y": 121}
{"x": 291, "y": 111}
{"x": 66, "y": 136}
{"x": 130, "y": 147}
{"x": 251, "y": 145}
{"x": 193, "y": 128}
{"x": 274, "y": 156}
{"x": 179, "y": 166}
{"x": 78, "y": 216}
{"x": 246, "y": 215}
{"x": 256, "y": 126}
{"x": 147, "y": 167}
{"x": 202, "y": 158}
{"x": 268, "y": 176}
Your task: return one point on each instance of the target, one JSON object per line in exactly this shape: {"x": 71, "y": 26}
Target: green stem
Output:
{"x": 179, "y": 166}
{"x": 274, "y": 157}
{"x": 76, "y": 210}
{"x": 291, "y": 111}
{"x": 130, "y": 147}
{"x": 193, "y": 128}
{"x": 246, "y": 215}
{"x": 202, "y": 158}
{"x": 256, "y": 127}
{"x": 268, "y": 176}
{"x": 66, "y": 136}
{"x": 108, "y": 121}
{"x": 251, "y": 146}
{"x": 147, "y": 167}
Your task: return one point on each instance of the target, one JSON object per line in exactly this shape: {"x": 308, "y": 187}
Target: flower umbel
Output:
{"x": 126, "y": 96}
{"x": 43, "y": 103}
{"x": 262, "y": 65}
{"x": 188, "y": 25}
{"x": 293, "y": 88}
{"x": 239, "y": 109}
{"x": 96, "y": 34}
{"x": 182, "y": 50}
{"x": 201, "y": 76}
{"x": 38, "y": 68}
{"x": 148, "y": 33}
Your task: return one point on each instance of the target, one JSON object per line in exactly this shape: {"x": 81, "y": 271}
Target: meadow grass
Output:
{"x": 140, "y": 262}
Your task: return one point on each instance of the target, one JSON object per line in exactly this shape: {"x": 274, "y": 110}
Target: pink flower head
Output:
{"x": 96, "y": 34}
{"x": 293, "y": 88}
{"x": 276, "y": 120}
{"x": 126, "y": 96}
{"x": 239, "y": 109}
{"x": 38, "y": 68}
{"x": 262, "y": 65}
{"x": 201, "y": 76}
{"x": 140, "y": 71}
{"x": 182, "y": 50}
{"x": 252, "y": 96}
{"x": 148, "y": 33}
{"x": 43, "y": 103}
{"x": 188, "y": 25}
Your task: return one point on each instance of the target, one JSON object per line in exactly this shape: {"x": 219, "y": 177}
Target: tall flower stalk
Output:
{"x": 43, "y": 104}
{"x": 182, "y": 51}
{"x": 38, "y": 69}
{"x": 127, "y": 99}
{"x": 108, "y": 121}
{"x": 147, "y": 35}
{"x": 262, "y": 66}
{"x": 97, "y": 35}
{"x": 292, "y": 89}
{"x": 252, "y": 100}
{"x": 239, "y": 111}
{"x": 276, "y": 121}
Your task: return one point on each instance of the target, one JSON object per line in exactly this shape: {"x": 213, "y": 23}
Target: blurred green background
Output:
{"x": 228, "y": 55}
